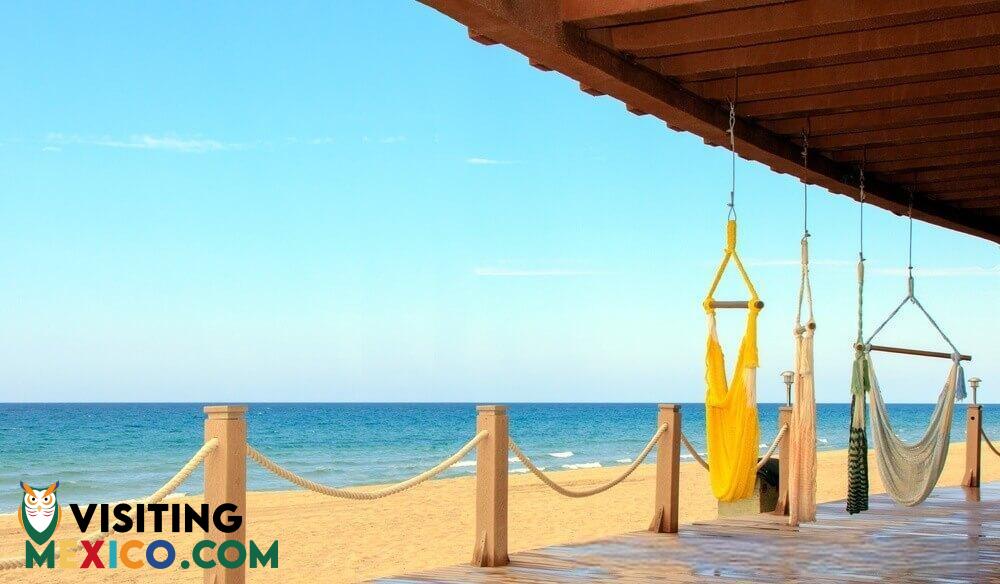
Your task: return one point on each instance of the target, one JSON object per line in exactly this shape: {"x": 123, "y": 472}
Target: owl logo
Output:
{"x": 39, "y": 512}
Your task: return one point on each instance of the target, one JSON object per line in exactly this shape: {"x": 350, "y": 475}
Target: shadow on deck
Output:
{"x": 952, "y": 537}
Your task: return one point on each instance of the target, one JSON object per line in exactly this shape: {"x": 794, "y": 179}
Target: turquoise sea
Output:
{"x": 110, "y": 452}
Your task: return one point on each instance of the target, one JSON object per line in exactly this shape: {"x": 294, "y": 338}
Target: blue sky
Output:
{"x": 316, "y": 202}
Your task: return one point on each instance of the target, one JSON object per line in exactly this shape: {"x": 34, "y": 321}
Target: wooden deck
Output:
{"x": 950, "y": 538}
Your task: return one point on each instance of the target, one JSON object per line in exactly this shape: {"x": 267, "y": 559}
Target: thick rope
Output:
{"x": 988, "y": 443}
{"x": 694, "y": 453}
{"x": 774, "y": 445}
{"x": 587, "y": 492}
{"x": 169, "y": 487}
{"x": 355, "y": 494}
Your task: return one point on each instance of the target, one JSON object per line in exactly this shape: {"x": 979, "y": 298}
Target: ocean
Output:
{"x": 109, "y": 452}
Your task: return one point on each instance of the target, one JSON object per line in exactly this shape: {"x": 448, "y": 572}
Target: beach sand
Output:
{"x": 334, "y": 540}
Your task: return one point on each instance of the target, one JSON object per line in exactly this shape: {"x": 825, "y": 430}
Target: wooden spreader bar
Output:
{"x": 917, "y": 352}
{"x": 735, "y": 304}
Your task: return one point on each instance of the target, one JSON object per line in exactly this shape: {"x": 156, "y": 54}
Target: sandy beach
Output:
{"x": 334, "y": 540}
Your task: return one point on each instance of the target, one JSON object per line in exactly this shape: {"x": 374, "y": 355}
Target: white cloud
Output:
{"x": 486, "y": 161}
{"x": 945, "y": 272}
{"x": 149, "y": 142}
{"x": 495, "y": 272}
{"x": 384, "y": 139}
{"x": 781, "y": 263}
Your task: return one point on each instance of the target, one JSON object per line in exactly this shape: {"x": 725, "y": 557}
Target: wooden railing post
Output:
{"x": 973, "y": 443}
{"x": 491, "y": 488}
{"x": 784, "y": 459}
{"x": 226, "y": 482}
{"x": 668, "y": 470}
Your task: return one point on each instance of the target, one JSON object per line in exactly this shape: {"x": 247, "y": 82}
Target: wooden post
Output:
{"x": 491, "y": 488}
{"x": 784, "y": 459}
{"x": 668, "y": 469}
{"x": 226, "y": 482}
{"x": 973, "y": 443}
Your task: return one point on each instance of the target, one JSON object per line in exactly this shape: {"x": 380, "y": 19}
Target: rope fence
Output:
{"x": 225, "y": 477}
{"x": 358, "y": 495}
{"x": 693, "y": 451}
{"x": 988, "y": 443}
{"x": 162, "y": 493}
{"x": 595, "y": 490}
{"x": 760, "y": 463}
{"x": 774, "y": 445}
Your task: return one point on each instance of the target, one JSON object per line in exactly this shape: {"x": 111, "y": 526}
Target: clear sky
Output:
{"x": 344, "y": 201}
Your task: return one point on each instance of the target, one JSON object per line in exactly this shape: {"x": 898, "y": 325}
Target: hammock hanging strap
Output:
{"x": 731, "y": 407}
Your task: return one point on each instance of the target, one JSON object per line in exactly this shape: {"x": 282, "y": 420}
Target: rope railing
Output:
{"x": 595, "y": 490}
{"x": 988, "y": 443}
{"x": 774, "y": 445}
{"x": 365, "y": 495}
{"x": 760, "y": 463}
{"x": 694, "y": 453}
{"x": 168, "y": 488}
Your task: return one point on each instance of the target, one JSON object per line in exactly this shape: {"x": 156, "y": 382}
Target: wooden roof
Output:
{"x": 909, "y": 88}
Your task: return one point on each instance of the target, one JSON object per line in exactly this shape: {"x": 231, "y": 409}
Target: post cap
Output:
{"x": 492, "y": 408}
{"x": 225, "y": 412}
{"x": 670, "y": 406}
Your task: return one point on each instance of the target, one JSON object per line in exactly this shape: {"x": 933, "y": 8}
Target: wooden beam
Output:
{"x": 920, "y": 92}
{"x": 848, "y": 47}
{"x": 591, "y": 90}
{"x": 590, "y": 14}
{"x": 945, "y": 161}
{"x": 965, "y": 62}
{"x": 635, "y": 110}
{"x": 958, "y": 186}
{"x": 979, "y": 202}
{"x": 481, "y": 39}
{"x": 539, "y": 65}
{"x": 794, "y": 20}
{"x": 534, "y": 28}
{"x": 894, "y": 117}
{"x": 962, "y": 172}
{"x": 966, "y": 194}
{"x": 908, "y": 134}
{"x": 919, "y": 150}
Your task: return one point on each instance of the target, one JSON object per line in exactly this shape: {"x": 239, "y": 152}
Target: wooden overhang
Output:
{"x": 909, "y": 89}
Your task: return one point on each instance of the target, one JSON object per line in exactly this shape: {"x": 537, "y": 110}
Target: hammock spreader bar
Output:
{"x": 732, "y": 429}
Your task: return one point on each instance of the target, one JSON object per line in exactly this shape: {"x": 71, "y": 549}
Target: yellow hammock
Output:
{"x": 731, "y": 408}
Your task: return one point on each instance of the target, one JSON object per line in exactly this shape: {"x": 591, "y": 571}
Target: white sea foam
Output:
{"x": 582, "y": 465}
{"x": 523, "y": 470}
{"x": 822, "y": 441}
{"x": 465, "y": 463}
{"x": 624, "y": 460}
{"x": 566, "y": 454}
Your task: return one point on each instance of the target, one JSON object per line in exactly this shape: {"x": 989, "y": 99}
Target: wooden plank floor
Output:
{"x": 950, "y": 538}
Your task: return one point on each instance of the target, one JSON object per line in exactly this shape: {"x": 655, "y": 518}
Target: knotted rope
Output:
{"x": 694, "y": 453}
{"x": 774, "y": 445}
{"x": 169, "y": 487}
{"x": 988, "y": 443}
{"x": 593, "y": 491}
{"x": 355, "y": 494}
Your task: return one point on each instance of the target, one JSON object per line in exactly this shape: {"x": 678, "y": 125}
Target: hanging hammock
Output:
{"x": 802, "y": 442}
{"x": 802, "y": 439}
{"x": 731, "y": 408}
{"x": 909, "y": 471}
